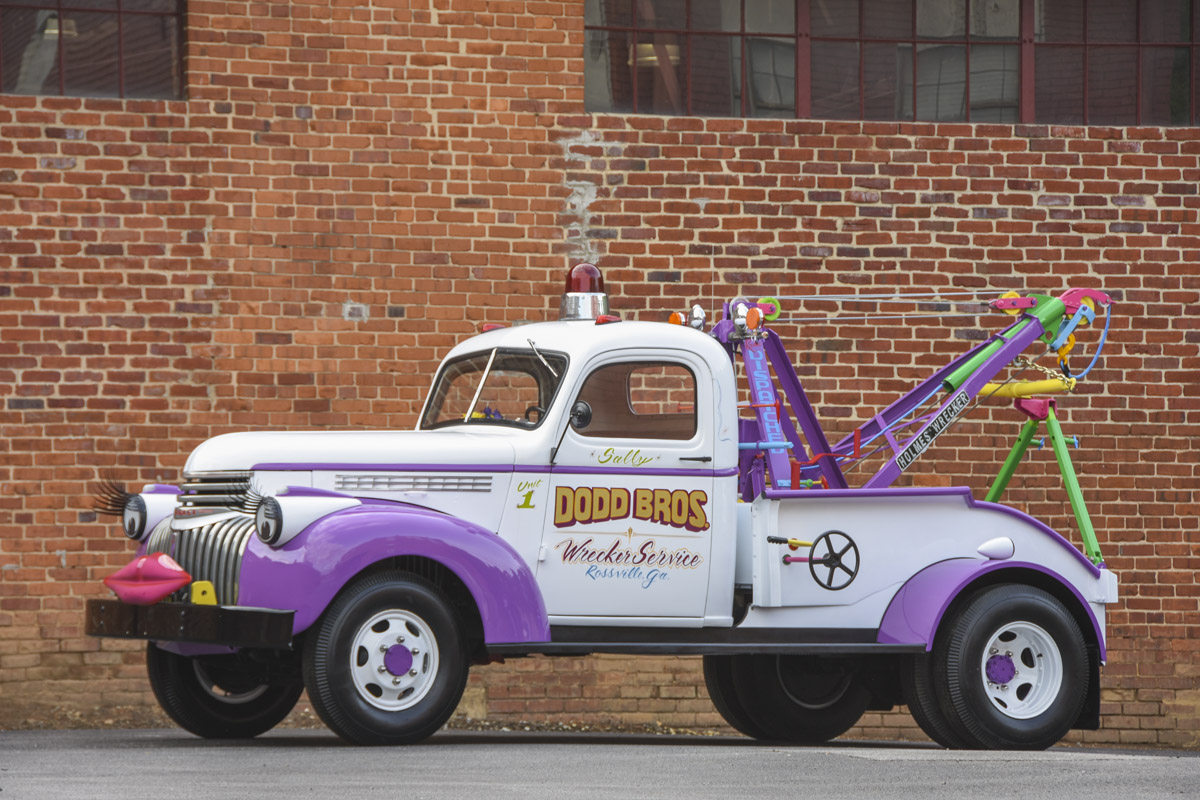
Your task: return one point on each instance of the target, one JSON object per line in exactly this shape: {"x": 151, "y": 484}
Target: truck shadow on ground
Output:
{"x": 320, "y": 739}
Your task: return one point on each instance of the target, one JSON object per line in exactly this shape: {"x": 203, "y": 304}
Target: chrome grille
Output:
{"x": 421, "y": 483}
{"x": 211, "y": 552}
{"x": 221, "y": 489}
{"x": 160, "y": 538}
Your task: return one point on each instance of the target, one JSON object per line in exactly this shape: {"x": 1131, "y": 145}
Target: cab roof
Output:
{"x": 583, "y": 339}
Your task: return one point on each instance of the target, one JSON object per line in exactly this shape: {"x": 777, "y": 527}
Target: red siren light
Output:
{"x": 585, "y": 278}
{"x": 584, "y": 297}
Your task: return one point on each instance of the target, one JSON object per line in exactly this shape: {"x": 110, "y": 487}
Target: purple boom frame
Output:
{"x": 773, "y": 434}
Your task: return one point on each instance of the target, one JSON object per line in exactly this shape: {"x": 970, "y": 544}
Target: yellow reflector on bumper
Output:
{"x": 204, "y": 593}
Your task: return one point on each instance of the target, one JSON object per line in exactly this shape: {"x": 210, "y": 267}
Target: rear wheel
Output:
{"x": 1011, "y": 672}
{"x": 218, "y": 697}
{"x": 718, "y": 677}
{"x": 800, "y": 699}
{"x": 386, "y": 663}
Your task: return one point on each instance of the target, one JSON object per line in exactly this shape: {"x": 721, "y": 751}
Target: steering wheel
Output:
{"x": 540, "y": 411}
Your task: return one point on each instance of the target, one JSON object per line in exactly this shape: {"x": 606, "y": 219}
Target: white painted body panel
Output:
{"x": 897, "y": 535}
{"x": 637, "y": 564}
{"x": 243, "y": 451}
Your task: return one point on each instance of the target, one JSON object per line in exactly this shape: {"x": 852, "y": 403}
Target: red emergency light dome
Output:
{"x": 585, "y": 278}
{"x": 584, "y": 297}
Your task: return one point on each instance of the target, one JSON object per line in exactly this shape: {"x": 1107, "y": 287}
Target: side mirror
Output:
{"x": 581, "y": 415}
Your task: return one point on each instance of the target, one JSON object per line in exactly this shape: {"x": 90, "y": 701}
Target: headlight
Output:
{"x": 133, "y": 518}
{"x": 268, "y": 521}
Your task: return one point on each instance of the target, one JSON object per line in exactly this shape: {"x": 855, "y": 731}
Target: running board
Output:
{"x": 582, "y": 640}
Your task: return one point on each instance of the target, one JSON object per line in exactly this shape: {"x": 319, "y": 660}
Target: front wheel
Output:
{"x": 386, "y": 663}
{"x": 799, "y": 699}
{"x": 218, "y": 697}
{"x": 1012, "y": 671}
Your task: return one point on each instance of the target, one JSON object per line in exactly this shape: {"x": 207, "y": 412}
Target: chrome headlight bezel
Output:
{"x": 134, "y": 517}
{"x": 268, "y": 521}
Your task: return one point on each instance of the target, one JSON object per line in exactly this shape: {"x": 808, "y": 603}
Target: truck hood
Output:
{"x": 317, "y": 450}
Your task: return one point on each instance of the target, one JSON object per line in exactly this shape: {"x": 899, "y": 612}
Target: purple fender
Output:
{"x": 917, "y": 609}
{"x": 307, "y": 572}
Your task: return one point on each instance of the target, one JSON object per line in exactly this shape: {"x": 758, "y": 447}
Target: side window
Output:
{"x": 641, "y": 400}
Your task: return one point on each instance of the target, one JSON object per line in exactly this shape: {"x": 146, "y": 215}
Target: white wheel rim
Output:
{"x": 215, "y": 691}
{"x": 1021, "y": 670}
{"x": 394, "y": 660}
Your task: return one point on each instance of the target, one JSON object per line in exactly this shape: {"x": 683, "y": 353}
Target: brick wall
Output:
{"x": 350, "y": 190}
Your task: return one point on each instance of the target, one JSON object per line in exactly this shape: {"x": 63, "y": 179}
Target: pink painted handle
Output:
{"x": 1072, "y": 298}
{"x": 1006, "y": 303}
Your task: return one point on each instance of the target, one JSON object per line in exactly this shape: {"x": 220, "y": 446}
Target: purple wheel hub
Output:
{"x": 399, "y": 660}
{"x": 999, "y": 669}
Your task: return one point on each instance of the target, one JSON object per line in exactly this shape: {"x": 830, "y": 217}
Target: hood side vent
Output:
{"x": 413, "y": 483}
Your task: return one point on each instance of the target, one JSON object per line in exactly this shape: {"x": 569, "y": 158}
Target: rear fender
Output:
{"x": 307, "y": 573}
{"x": 917, "y": 609}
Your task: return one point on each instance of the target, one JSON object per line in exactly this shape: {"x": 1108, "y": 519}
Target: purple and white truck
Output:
{"x": 593, "y": 485}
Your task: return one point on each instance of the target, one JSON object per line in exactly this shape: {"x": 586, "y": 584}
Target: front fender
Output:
{"x": 305, "y": 574}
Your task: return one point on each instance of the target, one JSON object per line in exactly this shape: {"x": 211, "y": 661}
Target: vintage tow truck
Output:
{"x": 598, "y": 485}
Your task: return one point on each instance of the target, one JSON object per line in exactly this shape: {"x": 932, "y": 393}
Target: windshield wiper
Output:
{"x": 482, "y": 381}
{"x": 542, "y": 358}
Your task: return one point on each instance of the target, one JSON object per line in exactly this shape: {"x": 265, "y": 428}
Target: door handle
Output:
{"x": 702, "y": 459}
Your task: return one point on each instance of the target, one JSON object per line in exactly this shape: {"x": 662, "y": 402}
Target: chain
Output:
{"x": 1024, "y": 363}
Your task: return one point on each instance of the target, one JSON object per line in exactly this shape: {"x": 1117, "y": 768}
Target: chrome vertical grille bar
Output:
{"x": 211, "y": 552}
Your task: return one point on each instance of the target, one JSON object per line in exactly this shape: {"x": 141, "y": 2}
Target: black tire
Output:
{"x": 799, "y": 699}
{"x": 215, "y": 697}
{"x": 387, "y": 661}
{"x": 718, "y": 677}
{"x": 1011, "y": 671}
{"x": 917, "y": 685}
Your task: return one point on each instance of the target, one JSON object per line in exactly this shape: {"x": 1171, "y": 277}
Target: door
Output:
{"x": 627, "y": 528}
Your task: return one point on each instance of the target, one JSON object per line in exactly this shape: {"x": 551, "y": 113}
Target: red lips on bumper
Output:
{"x": 148, "y": 579}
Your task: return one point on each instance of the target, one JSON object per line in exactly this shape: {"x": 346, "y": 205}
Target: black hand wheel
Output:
{"x": 833, "y": 560}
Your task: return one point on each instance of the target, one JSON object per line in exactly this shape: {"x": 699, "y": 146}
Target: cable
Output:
{"x": 883, "y": 316}
{"x": 1100, "y": 345}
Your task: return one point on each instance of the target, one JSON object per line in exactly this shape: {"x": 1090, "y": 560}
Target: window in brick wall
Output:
{"x": 92, "y": 48}
{"x": 1108, "y": 62}
{"x": 1115, "y": 62}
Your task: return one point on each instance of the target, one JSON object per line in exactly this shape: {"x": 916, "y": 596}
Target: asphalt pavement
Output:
{"x": 457, "y": 765}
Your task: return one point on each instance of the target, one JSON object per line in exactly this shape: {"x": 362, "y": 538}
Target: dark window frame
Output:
{"x": 1026, "y": 43}
{"x": 60, "y": 9}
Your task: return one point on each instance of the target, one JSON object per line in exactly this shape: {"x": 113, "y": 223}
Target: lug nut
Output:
{"x": 993, "y": 651}
{"x": 399, "y": 640}
{"x": 416, "y": 652}
{"x": 395, "y": 681}
{"x": 383, "y": 648}
{"x": 382, "y": 669}
{"x": 412, "y": 672}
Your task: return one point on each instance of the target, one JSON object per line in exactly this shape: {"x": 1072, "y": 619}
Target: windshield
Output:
{"x": 496, "y": 387}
